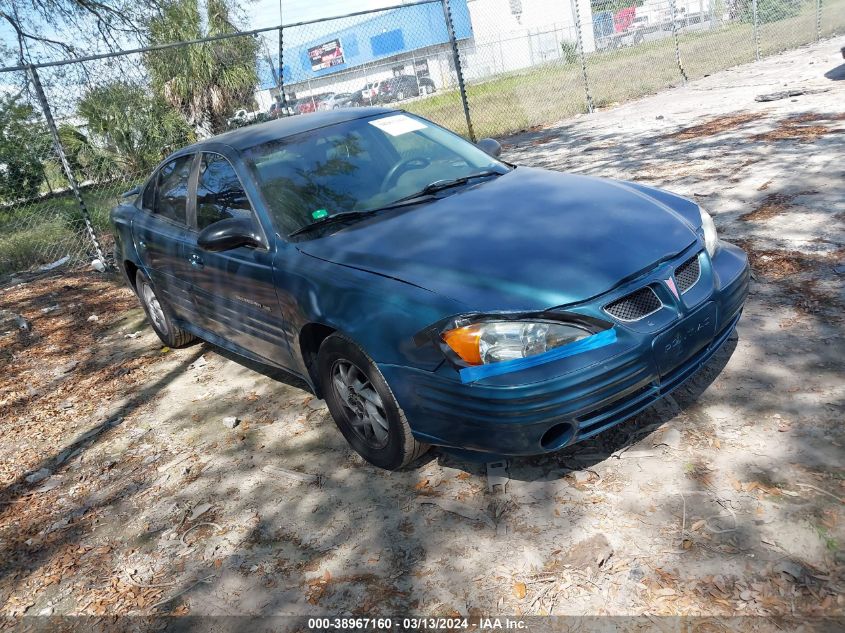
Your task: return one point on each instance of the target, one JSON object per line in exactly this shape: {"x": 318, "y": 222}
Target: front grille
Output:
{"x": 687, "y": 274}
{"x": 635, "y": 306}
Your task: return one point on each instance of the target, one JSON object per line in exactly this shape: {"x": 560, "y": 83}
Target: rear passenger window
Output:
{"x": 149, "y": 200}
{"x": 172, "y": 191}
{"x": 220, "y": 194}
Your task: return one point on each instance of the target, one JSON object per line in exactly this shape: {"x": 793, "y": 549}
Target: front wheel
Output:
{"x": 363, "y": 406}
{"x": 158, "y": 315}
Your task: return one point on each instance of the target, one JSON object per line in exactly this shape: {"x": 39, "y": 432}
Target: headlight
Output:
{"x": 494, "y": 341}
{"x": 711, "y": 238}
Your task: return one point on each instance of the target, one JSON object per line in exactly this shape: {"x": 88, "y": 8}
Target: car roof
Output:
{"x": 245, "y": 137}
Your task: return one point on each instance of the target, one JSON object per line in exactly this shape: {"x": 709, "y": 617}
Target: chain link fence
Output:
{"x": 76, "y": 134}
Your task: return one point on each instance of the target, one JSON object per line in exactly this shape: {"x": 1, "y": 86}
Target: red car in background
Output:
{"x": 623, "y": 18}
{"x": 309, "y": 104}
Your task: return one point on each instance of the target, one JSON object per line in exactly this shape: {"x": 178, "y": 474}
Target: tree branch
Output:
{"x": 39, "y": 38}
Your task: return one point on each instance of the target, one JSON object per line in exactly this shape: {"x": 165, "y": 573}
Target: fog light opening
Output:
{"x": 557, "y": 436}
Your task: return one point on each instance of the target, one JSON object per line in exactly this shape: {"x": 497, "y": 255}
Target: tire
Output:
{"x": 158, "y": 314}
{"x": 367, "y": 414}
{"x": 429, "y": 89}
{"x": 400, "y": 95}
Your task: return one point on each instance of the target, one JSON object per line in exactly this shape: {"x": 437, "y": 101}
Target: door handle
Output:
{"x": 196, "y": 261}
{"x": 142, "y": 244}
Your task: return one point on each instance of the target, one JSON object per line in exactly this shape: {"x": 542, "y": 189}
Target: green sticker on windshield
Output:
{"x": 319, "y": 214}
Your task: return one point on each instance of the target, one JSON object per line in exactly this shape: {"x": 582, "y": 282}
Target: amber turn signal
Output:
{"x": 464, "y": 342}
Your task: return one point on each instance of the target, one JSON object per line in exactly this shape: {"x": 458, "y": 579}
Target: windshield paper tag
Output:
{"x": 398, "y": 124}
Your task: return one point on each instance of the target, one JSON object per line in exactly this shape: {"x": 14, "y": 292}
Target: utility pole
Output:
{"x": 282, "y": 58}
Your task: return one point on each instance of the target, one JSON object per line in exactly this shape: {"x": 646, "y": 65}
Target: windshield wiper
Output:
{"x": 344, "y": 216}
{"x": 420, "y": 196}
{"x": 440, "y": 185}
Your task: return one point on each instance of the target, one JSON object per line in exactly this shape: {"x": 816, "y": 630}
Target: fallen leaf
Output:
{"x": 421, "y": 484}
{"x": 519, "y": 590}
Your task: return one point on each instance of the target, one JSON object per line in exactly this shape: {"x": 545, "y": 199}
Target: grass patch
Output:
{"x": 40, "y": 232}
{"x": 37, "y": 233}
{"x": 541, "y": 95}
{"x": 829, "y": 541}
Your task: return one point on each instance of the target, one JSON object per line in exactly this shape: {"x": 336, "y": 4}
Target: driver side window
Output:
{"x": 220, "y": 194}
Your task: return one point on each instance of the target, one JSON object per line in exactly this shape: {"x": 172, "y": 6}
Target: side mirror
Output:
{"x": 132, "y": 192}
{"x": 228, "y": 234}
{"x": 490, "y": 146}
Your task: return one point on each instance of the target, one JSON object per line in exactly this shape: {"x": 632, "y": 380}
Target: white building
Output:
{"x": 514, "y": 34}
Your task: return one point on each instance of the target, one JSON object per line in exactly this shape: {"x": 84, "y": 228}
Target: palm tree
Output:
{"x": 205, "y": 82}
{"x": 129, "y": 129}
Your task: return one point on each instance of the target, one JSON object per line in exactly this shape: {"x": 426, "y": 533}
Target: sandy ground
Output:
{"x": 724, "y": 499}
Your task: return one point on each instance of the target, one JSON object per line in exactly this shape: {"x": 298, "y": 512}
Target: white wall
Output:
{"x": 503, "y": 41}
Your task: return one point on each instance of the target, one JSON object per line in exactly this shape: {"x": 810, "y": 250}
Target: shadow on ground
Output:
{"x": 723, "y": 498}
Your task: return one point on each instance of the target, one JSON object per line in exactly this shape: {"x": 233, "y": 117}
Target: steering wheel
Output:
{"x": 400, "y": 168}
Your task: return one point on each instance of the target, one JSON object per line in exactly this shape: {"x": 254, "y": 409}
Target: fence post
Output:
{"x": 756, "y": 31}
{"x": 447, "y": 15}
{"x": 54, "y": 132}
{"x": 675, "y": 37}
{"x": 576, "y": 13}
{"x": 818, "y": 20}
{"x": 282, "y": 68}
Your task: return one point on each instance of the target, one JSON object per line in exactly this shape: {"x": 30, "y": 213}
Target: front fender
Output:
{"x": 379, "y": 313}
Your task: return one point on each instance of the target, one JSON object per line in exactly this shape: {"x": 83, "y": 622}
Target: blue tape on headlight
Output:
{"x": 602, "y": 339}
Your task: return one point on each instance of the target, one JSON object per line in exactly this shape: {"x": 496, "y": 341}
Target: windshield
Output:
{"x": 359, "y": 165}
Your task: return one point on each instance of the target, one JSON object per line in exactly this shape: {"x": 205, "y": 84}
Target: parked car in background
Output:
{"x": 366, "y": 96}
{"x": 403, "y": 87}
{"x": 242, "y": 117}
{"x": 279, "y": 110}
{"x": 369, "y": 93}
{"x": 309, "y": 104}
{"x": 335, "y": 100}
{"x": 429, "y": 292}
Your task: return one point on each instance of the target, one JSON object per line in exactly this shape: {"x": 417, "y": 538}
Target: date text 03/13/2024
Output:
{"x": 416, "y": 624}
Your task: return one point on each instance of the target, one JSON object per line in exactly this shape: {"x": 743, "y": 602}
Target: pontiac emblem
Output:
{"x": 671, "y": 284}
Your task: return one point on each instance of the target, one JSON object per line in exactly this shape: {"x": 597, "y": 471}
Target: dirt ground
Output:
{"x": 122, "y": 491}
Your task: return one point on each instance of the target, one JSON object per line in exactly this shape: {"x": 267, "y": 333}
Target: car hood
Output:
{"x": 528, "y": 240}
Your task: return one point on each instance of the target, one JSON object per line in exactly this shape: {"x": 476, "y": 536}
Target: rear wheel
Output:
{"x": 159, "y": 315}
{"x": 363, "y": 406}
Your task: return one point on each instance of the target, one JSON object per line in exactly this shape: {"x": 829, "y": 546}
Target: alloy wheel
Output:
{"x": 361, "y": 403}
{"x": 153, "y": 307}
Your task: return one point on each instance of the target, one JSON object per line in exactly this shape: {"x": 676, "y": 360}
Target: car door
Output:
{"x": 162, "y": 236}
{"x": 234, "y": 290}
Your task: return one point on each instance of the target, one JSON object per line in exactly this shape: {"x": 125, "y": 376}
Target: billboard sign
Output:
{"x": 326, "y": 55}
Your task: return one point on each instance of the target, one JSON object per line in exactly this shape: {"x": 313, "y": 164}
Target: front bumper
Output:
{"x": 547, "y": 407}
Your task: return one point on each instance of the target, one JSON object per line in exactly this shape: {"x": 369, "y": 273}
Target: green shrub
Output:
{"x": 570, "y": 52}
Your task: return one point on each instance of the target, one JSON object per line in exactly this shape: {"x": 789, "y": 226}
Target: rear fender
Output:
{"x": 122, "y": 217}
